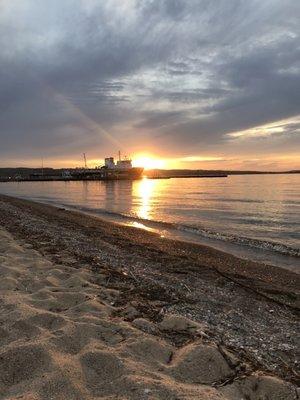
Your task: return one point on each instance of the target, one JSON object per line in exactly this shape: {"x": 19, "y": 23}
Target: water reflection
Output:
{"x": 85, "y": 190}
{"x": 145, "y": 191}
{"x": 110, "y": 194}
{"x": 117, "y": 195}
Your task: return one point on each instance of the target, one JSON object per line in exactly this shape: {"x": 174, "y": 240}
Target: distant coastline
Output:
{"x": 10, "y": 173}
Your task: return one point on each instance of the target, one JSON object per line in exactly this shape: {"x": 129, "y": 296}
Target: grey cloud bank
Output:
{"x": 171, "y": 76}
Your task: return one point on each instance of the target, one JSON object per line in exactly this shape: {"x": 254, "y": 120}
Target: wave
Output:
{"x": 202, "y": 232}
{"x": 231, "y": 200}
{"x": 244, "y": 241}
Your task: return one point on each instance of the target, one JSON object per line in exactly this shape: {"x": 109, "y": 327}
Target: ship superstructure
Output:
{"x": 111, "y": 170}
{"x": 120, "y": 164}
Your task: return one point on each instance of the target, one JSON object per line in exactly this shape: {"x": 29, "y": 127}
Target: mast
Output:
{"x": 84, "y": 159}
{"x": 119, "y": 155}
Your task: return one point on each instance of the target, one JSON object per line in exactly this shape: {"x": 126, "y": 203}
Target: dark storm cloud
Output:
{"x": 184, "y": 73}
{"x": 156, "y": 120}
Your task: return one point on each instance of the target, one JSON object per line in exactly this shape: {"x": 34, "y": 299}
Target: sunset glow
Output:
{"x": 149, "y": 162}
{"x": 198, "y": 100}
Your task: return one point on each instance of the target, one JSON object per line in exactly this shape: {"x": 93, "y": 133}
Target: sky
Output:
{"x": 184, "y": 83}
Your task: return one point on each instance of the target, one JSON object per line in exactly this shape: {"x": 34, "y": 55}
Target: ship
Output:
{"x": 111, "y": 170}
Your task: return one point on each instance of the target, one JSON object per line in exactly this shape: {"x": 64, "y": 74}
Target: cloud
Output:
{"x": 173, "y": 75}
{"x": 283, "y": 128}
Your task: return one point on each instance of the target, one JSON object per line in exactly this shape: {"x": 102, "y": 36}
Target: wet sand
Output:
{"x": 90, "y": 310}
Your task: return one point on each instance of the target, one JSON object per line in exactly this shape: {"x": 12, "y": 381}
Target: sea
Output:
{"x": 255, "y": 217}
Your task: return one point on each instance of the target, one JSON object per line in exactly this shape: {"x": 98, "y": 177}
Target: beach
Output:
{"x": 90, "y": 309}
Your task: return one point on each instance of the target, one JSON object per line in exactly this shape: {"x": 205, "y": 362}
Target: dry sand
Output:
{"x": 63, "y": 335}
{"x": 59, "y": 342}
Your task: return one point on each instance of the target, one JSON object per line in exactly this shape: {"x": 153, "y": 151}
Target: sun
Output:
{"x": 148, "y": 162}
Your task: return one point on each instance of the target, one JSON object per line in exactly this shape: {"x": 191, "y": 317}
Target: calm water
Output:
{"x": 249, "y": 211}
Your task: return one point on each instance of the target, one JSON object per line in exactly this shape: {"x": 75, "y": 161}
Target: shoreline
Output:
{"x": 172, "y": 231}
{"x": 246, "y": 308}
{"x": 221, "y": 258}
{"x": 271, "y": 253}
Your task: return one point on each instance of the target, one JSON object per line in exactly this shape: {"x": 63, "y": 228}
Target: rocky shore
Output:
{"x": 91, "y": 309}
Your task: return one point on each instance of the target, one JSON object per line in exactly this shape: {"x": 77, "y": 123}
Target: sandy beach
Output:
{"x": 94, "y": 310}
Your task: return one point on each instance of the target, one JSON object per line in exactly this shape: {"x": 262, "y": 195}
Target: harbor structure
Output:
{"x": 111, "y": 170}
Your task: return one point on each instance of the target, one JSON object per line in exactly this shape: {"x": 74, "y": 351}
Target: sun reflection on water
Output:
{"x": 145, "y": 191}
